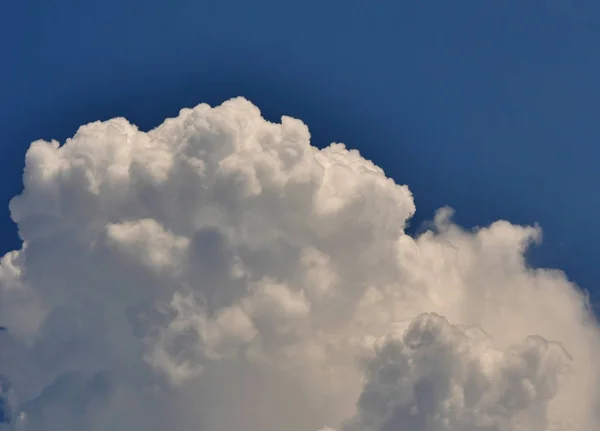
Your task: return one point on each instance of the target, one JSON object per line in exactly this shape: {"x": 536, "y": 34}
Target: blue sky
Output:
{"x": 490, "y": 107}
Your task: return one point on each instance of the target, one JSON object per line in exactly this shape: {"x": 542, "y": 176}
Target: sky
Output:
{"x": 490, "y": 108}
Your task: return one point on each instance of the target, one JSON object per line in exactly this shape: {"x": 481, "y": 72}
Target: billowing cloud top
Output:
{"x": 220, "y": 273}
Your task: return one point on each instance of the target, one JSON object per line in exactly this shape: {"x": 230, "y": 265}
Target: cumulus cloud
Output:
{"x": 437, "y": 376}
{"x": 220, "y": 273}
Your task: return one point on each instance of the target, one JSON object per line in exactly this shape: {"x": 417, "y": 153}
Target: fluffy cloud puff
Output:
{"x": 220, "y": 273}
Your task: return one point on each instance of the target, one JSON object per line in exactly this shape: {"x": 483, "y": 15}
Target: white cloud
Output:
{"x": 220, "y": 273}
{"x": 437, "y": 376}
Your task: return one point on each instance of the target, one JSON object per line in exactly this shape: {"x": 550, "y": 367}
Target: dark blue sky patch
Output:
{"x": 489, "y": 107}
{"x": 6, "y": 402}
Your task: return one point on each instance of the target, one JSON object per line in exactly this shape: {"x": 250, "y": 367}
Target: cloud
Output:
{"x": 437, "y": 376}
{"x": 220, "y": 273}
